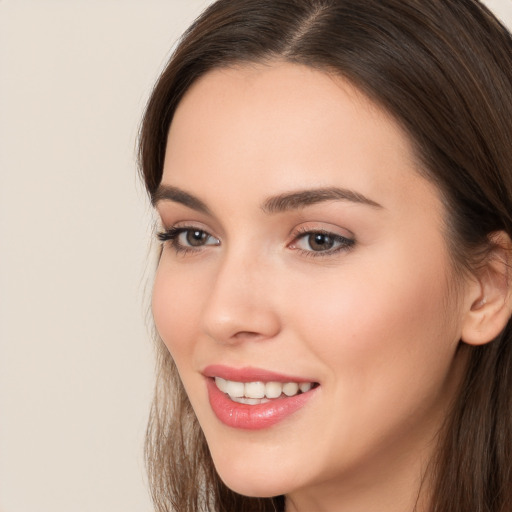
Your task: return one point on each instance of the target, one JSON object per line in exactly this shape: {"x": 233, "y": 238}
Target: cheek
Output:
{"x": 175, "y": 310}
{"x": 390, "y": 326}
{"x": 386, "y": 351}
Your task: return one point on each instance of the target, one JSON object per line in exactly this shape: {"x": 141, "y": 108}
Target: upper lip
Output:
{"x": 250, "y": 374}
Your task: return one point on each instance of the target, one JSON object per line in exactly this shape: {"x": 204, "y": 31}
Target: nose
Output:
{"x": 240, "y": 305}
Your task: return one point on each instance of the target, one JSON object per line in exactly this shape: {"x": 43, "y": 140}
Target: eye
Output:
{"x": 194, "y": 237}
{"x": 187, "y": 238}
{"x": 320, "y": 242}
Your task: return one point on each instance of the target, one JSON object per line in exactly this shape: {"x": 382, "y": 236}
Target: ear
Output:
{"x": 490, "y": 294}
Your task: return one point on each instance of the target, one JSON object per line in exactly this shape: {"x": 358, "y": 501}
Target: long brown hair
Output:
{"x": 443, "y": 69}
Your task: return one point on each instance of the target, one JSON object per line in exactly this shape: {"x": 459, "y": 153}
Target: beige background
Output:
{"x": 75, "y": 356}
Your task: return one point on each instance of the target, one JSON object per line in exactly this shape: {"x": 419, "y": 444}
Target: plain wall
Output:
{"x": 76, "y": 367}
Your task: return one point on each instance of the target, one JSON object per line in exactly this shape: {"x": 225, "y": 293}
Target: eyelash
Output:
{"x": 344, "y": 243}
{"x": 172, "y": 235}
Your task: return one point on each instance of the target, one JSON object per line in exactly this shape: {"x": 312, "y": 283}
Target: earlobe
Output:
{"x": 490, "y": 295}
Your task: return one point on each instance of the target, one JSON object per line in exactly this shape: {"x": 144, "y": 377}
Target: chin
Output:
{"x": 257, "y": 481}
{"x": 254, "y": 487}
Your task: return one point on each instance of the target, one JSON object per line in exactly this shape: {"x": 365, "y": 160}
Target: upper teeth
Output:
{"x": 261, "y": 389}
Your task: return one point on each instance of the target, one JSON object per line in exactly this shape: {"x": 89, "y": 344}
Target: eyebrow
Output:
{"x": 276, "y": 204}
{"x": 303, "y": 198}
{"x": 175, "y": 194}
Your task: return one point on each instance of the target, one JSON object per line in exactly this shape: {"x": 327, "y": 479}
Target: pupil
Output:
{"x": 320, "y": 242}
{"x": 196, "y": 237}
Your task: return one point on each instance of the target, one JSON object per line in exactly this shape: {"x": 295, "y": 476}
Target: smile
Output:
{"x": 253, "y": 399}
{"x": 254, "y": 393}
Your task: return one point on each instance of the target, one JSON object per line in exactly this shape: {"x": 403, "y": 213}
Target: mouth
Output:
{"x": 258, "y": 392}
{"x": 255, "y": 399}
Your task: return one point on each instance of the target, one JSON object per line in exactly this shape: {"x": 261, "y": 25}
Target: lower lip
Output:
{"x": 253, "y": 417}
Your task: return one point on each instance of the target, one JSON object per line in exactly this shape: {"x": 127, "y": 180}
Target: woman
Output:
{"x": 333, "y": 180}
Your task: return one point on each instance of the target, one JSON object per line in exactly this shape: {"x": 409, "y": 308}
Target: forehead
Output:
{"x": 272, "y": 128}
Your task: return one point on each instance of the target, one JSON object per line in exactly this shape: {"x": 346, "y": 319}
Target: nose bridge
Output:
{"x": 239, "y": 304}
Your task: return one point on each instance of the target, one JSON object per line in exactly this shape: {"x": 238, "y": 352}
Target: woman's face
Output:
{"x": 304, "y": 248}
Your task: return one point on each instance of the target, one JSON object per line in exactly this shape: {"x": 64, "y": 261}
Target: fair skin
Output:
{"x": 375, "y": 322}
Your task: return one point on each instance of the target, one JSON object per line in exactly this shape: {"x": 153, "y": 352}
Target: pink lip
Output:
{"x": 249, "y": 374}
{"x": 252, "y": 417}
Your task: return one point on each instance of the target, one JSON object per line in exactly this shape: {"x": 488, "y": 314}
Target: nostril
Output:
{"x": 247, "y": 335}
